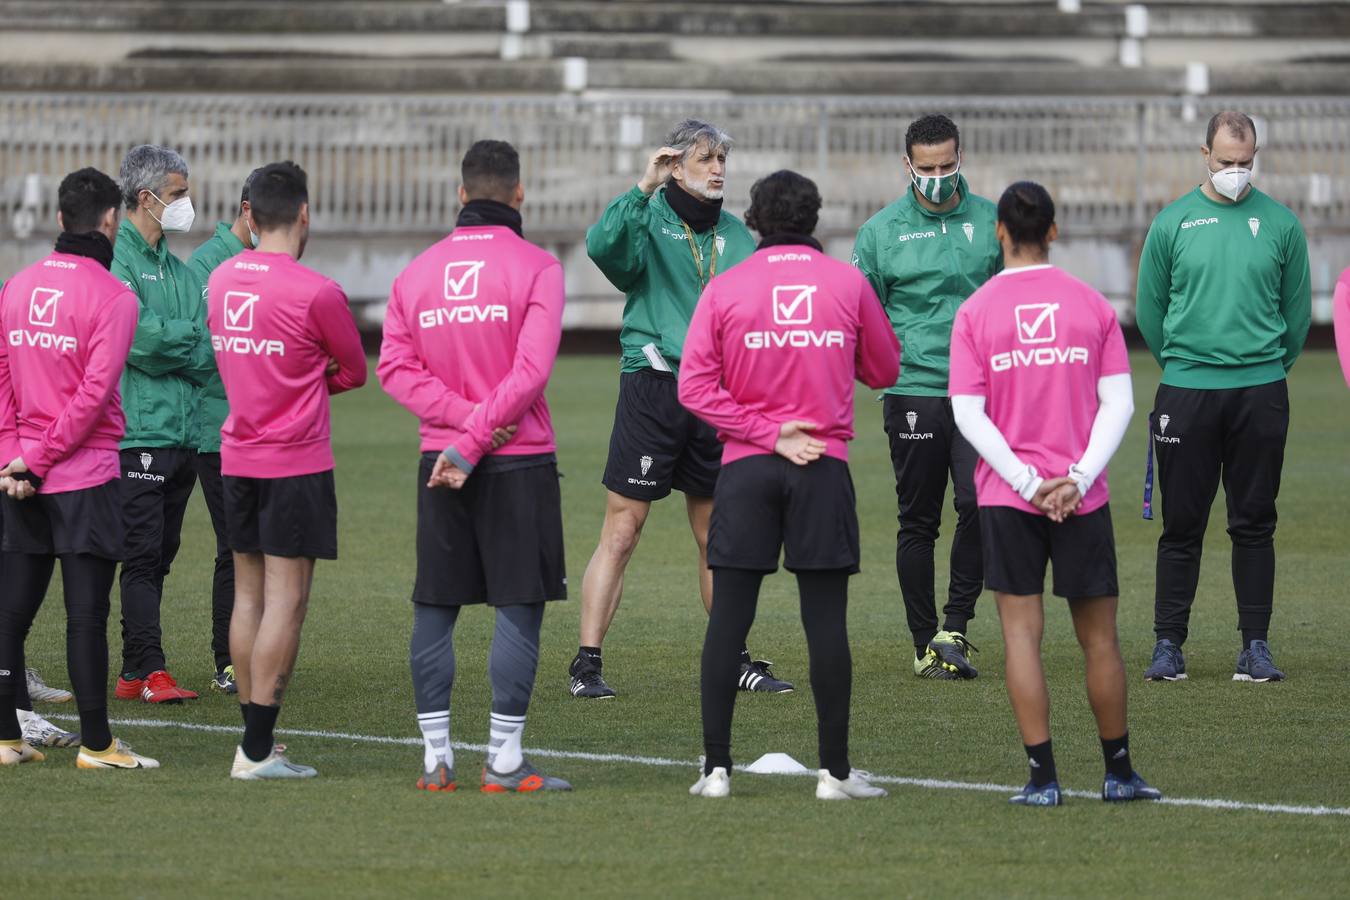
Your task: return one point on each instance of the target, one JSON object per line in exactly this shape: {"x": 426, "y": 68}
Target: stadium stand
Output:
{"x": 378, "y": 98}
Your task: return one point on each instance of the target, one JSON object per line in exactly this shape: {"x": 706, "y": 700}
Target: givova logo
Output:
{"x": 645, "y": 465}
{"x": 792, "y": 305}
{"x": 145, "y": 474}
{"x": 238, "y": 317}
{"x": 42, "y": 306}
{"x": 912, "y": 420}
{"x": 1196, "y": 223}
{"x": 1161, "y": 437}
{"x": 461, "y": 286}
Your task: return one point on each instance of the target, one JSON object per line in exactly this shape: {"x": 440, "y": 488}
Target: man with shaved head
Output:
{"x": 1224, "y": 304}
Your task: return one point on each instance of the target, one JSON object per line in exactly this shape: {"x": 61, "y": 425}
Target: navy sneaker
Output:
{"x": 1114, "y": 790}
{"x": 1255, "y": 664}
{"x": 757, "y": 677}
{"x": 586, "y": 681}
{"x": 1046, "y": 795}
{"x": 1168, "y": 663}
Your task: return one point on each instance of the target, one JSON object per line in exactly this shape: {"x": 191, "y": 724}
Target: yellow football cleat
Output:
{"x": 117, "y": 756}
{"x": 14, "y": 752}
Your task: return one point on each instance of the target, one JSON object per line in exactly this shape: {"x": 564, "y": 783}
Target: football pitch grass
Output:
{"x": 630, "y": 828}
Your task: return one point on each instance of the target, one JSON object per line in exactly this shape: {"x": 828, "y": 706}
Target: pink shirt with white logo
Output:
{"x": 1034, "y": 342}
{"x": 470, "y": 336}
{"x": 782, "y": 337}
{"x": 275, "y": 326}
{"x": 67, "y": 325}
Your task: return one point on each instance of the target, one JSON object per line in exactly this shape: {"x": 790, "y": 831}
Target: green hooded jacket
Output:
{"x": 213, "y": 409}
{"x": 170, "y": 357}
{"x": 923, "y": 265}
{"x": 643, "y": 248}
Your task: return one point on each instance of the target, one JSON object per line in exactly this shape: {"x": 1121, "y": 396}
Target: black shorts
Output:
{"x": 1017, "y": 546}
{"x": 657, "y": 445}
{"x": 295, "y": 516}
{"x": 86, "y": 521}
{"x": 765, "y": 504}
{"x": 498, "y": 540}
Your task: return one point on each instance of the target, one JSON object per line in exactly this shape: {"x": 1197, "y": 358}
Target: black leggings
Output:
{"x": 824, "y": 603}
{"x": 88, "y": 584}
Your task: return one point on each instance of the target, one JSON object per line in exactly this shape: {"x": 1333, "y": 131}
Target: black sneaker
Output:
{"x": 586, "y": 680}
{"x": 756, "y": 677}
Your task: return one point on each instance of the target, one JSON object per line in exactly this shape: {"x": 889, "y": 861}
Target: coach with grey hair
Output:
{"x": 169, "y": 363}
{"x": 1224, "y": 303}
{"x": 660, "y": 243}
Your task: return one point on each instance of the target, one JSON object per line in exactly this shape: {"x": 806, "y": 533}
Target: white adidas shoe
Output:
{"x": 41, "y": 733}
{"x": 42, "y": 692}
{"x": 716, "y": 783}
{"x": 275, "y": 765}
{"x": 854, "y": 787}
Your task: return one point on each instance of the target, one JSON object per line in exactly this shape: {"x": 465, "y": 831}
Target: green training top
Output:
{"x": 1224, "y": 298}
{"x": 213, "y": 409}
{"x": 643, "y": 248}
{"x": 923, "y": 265}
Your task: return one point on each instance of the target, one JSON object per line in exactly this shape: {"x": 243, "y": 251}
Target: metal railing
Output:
{"x": 383, "y": 164}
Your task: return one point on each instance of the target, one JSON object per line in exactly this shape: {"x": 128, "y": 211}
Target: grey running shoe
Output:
{"x": 1168, "y": 663}
{"x": 757, "y": 677}
{"x": 1255, "y": 664}
{"x": 525, "y": 780}
{"x": 441, "y": 778}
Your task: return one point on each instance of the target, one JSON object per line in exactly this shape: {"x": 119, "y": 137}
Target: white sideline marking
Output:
{"x": 935, "y": 784}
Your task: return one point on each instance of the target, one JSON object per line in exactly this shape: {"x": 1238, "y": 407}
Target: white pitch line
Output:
{"x": 935, "y": 784}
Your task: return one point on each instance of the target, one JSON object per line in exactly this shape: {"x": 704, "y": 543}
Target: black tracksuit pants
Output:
{"x": 925, "y": 449}
{"x": 222, "y": 580}
{"x": 1201, "y": 437}
{"x": 156, "y": 484}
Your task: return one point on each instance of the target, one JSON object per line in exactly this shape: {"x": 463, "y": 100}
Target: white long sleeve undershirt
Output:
{"x": 1115, "y": 397}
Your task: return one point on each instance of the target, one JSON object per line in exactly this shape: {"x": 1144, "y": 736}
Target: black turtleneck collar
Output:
{"x": 698, "y": 214}
{"x": 477, "y": 213}
{"x": 93, "y": 244}
{"x": 787, "y": 237}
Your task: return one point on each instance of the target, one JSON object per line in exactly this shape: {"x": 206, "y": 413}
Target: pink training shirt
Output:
{"x": 1341, "y": 313}
{"x": 470, "y": 336}
{"x": 68, "y": 325}
{"x": 782, "y": 337}
{"x": 275, "y": 326}
{"x": 1034, "y": 342}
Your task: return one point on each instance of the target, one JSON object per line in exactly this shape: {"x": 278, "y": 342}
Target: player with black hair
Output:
{"x": 1040, "y": 387}
{"x": 924, "y": 255}
{"x": 285, "y": 340}
{"x": 69, "y": 325}
{"x": 1224, "y": 304}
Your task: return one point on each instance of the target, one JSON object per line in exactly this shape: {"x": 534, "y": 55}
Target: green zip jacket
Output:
{"x": 170, "y": 357}
{"x": 1225, "y": 297}
{"x": 213, "y": 409}
{"x": 642, "y": 247}
{"x": 923, "y": 265}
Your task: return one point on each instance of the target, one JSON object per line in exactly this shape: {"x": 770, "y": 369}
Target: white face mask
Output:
{"x": 178, "y": 215}
{"x": 1232, "y": 182}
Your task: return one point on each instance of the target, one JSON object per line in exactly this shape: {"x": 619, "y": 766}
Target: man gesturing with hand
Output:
{"x": 1030, "y": 341}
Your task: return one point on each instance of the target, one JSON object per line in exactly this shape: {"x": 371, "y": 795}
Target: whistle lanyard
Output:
{"x": 698, "y": 256}
{"x": 1148, "y": 474}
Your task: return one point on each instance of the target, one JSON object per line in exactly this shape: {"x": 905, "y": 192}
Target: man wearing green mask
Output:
{"x": 229, "y": 239}
{"x": 924, "y": 255}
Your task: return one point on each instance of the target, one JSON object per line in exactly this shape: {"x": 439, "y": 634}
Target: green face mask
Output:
{"x": 937, "y": 188}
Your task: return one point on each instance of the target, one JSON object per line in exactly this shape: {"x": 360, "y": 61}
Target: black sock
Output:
{"x": 1116, "y": 752}
{"x": 737, "y": 592}
{"x": 955, "y": 624}
{"x": 920, "y": 652}
{"x": 745, "y": 656}
{"x": 1253, "y": 634}
{"x": 243, "y": 711}
{"x": 591, "y": 653}
{"x": 9, "y": 721}
{"x": 1041, "y": 759}
{"x": 258, "y": 728}
{"x": 94, "y": 731}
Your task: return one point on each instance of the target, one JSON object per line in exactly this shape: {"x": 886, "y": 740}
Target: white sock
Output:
{"x": 504, "y": 753}
{"x": 435, "y": 740}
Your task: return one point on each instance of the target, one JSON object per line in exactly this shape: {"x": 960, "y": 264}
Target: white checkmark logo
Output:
{"x": 42, "y": 307}
{"x": 792, "y": 303}
{"x": 461, "y": 279}
{"x": 239, "y": 310}
{"x": 1031, "y": 330}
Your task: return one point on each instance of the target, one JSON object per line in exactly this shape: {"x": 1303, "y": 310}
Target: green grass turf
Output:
{"x": 632, "y": 830}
